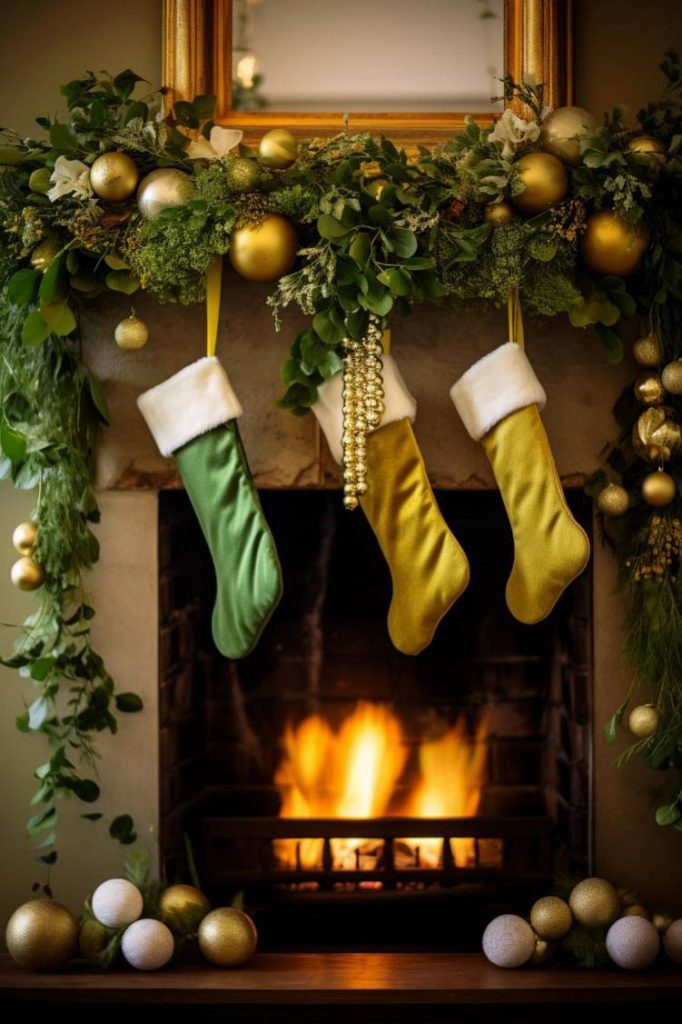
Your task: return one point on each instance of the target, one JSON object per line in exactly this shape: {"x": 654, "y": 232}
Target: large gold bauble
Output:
{"x": 551, "y": 917}
{"x": 163, "y": 189}
{"x": 44, "y": 253}
{"x": 595, "y": 903}
{"x": 114, "y": 176}
{"x": 131, "y": 334}
{"x": 614, "y": 500}
{"x": 24, "y": 538}
{"x": 182, "y": 908}
{"x": 278, "y": 149}
{"x": 657, "y": 435}
{"x": 658, "y": 489}
{"x": 544, "y": 952}
{"x": 649, "y": 389}
{"x": 646, "y": 147}
{"x": 672, "y": 377}
{"x": 265, "y": 251}
{"x": 26, "y": 574}
{"x": 612, "y": 246}
{"x": 560, "y": 131}
{"x": 644, "y": 721}
{"x": 498, "y": 214}
{"x": 42, "y": 935}
{"x": 227, "y": 937}
{"x": 92, "y": 940}
{"x": 647, "y": 351}
{"x": 546, "y": 182}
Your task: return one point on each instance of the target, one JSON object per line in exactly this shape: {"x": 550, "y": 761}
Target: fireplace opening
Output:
{"x": 352, "y": 796}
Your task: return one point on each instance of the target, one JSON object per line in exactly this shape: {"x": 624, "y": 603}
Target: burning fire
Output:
{"x": 366, "y": 770}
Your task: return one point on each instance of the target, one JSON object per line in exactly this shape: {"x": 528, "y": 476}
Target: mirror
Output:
{"x": 375, "y": 56}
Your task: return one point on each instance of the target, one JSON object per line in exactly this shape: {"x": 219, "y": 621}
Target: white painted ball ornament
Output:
{"x": 163, "y": 189}
{"x": 672, "y": 941}
{"x": 117, "y": 902}
{"x": 147, "y": 944}
{"x": 508, "y": 941}
{"x": 632, "y": 943}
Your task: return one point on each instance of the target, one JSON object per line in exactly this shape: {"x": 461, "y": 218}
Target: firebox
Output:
{"x": 354, "y": 797}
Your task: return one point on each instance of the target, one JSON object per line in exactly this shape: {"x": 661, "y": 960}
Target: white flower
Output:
{"x": 221, "y": 141}
{"x": 512, "y": 131}
{"x": 70, "y": 176}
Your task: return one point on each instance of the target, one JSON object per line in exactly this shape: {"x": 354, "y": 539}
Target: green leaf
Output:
{"x": 49, "y": 858}
{"x": 397, "y": 280}
{"x": 330, "y": 228}
{"x": 125, "y": 82}
{"x": 35, "y": 330}
{"x": 379, "y": 216}
{"x": 85, "y": 789}
{"x": 204, "y": 106}
{"x": 328, "y": 324}
{"x": 52, "y": 287}
{"x": 668, "y": 814}
{"x": 41, "y": 668}
{"x": 13, "y": 444}
{"x": 360, "y": 249}
{"x": 611, "y": 729}
{"x": 185, "y": 114}
{"x": 59, "y": 317}
{"x": 98, "y": 397}
{"x": 128, "y": 702}
{"x": 136, "y": 866}
{"x": 63, "y": 137}
{"x": 22, "y": 286}
{"x": 404, "y": 242}
{"x": 122, "y": 828}
{"x": 612, "y": 343}
{"x": 93, "y": 816}
{"x": 122, "y": 281}
{"x": 22, "y": 722}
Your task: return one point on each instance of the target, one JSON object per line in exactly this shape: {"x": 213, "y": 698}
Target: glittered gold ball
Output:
{"x": 546, "y": 182}
{"x": 42, "y": 935}
{"x": 636, "y": 910}
{"x": 113, "y": 176}
{"x": 657, "y": 435}
{"x": 92, "y": 940}
{"x": 227, "y": 937}
{"x": 498, "y": 214}
{"x": 644, "y": 721}
{"x": 614, "y": 500}
{"x": 647, "y": 351}
{"x": 26, "y": 574}
{"x": 163, "y": 189}
{"x": 648, "y": 148}
{"x": 278, "y": 149}
{"x": 551, "y": 917}
{"x": 595, "y": 903}
{"x": 612, "y": 246}
{"x": 131, "y": 334}
{"x": 662, "y": 921}
{"x": 24, "y": 538}
{"x": 182, "y": 907}
{"x": 658, "y": 489}
{"x": 544, "y": 952}
{"x": 265, "y": 251}
{"x": 242, "y": 174}
{"x": 561, "y": 130}
{"x": 44, "y": 253}
{"x": 672, "y": 377}
{"x": 649, "y": 389}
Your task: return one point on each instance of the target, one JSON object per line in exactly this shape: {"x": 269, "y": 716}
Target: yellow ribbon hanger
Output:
{"x": 515, "y": 318}
{"x": 214, "y": 280}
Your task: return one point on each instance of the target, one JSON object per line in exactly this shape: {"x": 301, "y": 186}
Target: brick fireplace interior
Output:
{"x": 483, "y": 740}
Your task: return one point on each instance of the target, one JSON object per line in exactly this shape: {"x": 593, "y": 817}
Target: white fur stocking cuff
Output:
{"x": 495, "y": 386}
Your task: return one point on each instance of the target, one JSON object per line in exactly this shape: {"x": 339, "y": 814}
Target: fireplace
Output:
{"x": 342, "y": 789}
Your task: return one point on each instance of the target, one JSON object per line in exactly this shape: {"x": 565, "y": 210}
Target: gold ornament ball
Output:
{"x": 560, "y": 131}
{"x": 636, "y": 910}
{"x": 546, "y": 182}
{"x": 265, "y": 251}
{"x": 551, "y": 917}
{"x": 278, "y": 149}
{"x": 649, "y": 389}
{"x": 131, "y": 334}
{"x": 44, "y": 253}
{"x": 114, "y": 176}
{"x": 92, "y": 940}
{"x": 242, "y": 174}
{"x": 42, "y": 935}
{"x": 595, "y": 903}
{"x": 647, "y": 148}
{"x": 163, "y": 189}
{"x": 39, "y": 180}
{"x": 657, "y": 435}
{"x": 614, "y": 500}
{"x": 182, "y": 908}
{"x": 24, "y": 538}
{"x": 26, "y": 574}
{"x": 643, "y": 721}
{"x": 227, "y": 937}
{"x": 672, "y": 377}
{"x": 658, "y": 489}
{"x": 662, "y": 921}
{"x": 612, "y": 246}
{"x": 647, "y": 351}
{"x": 498, "y": 214}
{"x": 543, "y": 953}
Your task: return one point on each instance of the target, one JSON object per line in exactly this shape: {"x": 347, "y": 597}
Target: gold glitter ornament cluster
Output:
{"x": 663, "y": 550}
{"x": 363, "y": 406}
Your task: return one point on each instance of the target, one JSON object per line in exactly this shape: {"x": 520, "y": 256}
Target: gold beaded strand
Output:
{"x": 363, "y": 406}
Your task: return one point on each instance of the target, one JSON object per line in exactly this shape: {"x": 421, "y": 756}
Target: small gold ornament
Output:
{"x": 636, "y": 910}
{"x": 42, "y": 935}
{"x": 92, "y": 940}
{"x": 113, "y": 176}
{"x": 39, "y": 180}
{"x": 546, "y": 182}
{"x": 612, "y": 246}
{"x": 662, "y": 921}
{"x": 163, "y": 189}
{"x": 44, "y": 253}
{"x": 132, "y": 333}
{"x": 544, "y": 952}
{"x": 672, "y": 377}
{"x": 647, "y": 351}
{"x": 551, "y": 917}
{"x": 647, "y": 148}
{"x": 614, "y": 500}
{"x": 498, "y": 214}
{"x": 278, "y": 149}
{"x": 182, "y": 908}
{"x": 658, "y": 489}
{"x": 26, "y": 574}
{"x": 560, "y": 131}
{"x": 242, "y": 174}
{"x": 363, "y": 406}
{"x": 264, "y": 251}
{"x": 649, "y": 389}
{"x": 227, "y": 937}
{"x": 644, "y": 721}
{"x": 657, "y": 435}
{"x": 24, "y": 538}
{"x": 595, "y": 903}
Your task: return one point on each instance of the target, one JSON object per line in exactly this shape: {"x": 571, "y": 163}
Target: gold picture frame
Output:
{"x": 197, "y": 59}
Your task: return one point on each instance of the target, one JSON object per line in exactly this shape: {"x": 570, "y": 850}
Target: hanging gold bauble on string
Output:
{"x": 560, "y": 131}
{"x": 163, "y": 189}
{"x": 498, "y": 214}
{"x": 26, "y": 574}
{"x": 546, "y": 182}
{"x": 612, "y": 246}
{"x": 644, "y": 721}
{"x": 672, "y": 377}
{"x": 264, "y": 251}
{"x": 44, "y": 253}
{"x": 595, "y": 903}
{"x": 132, "y": 333}
{"x": 42, "y": 935}
{"x": 182, "y": 908}
{"x": 658, "y": 489}
{"x": 657, "y": 435}
{"x": 649, "y": 389}
{"x": 113, "y": 176}
{"x": 227, "y": 937}
{"x": 647, "y": 148}
{"x": 24, "y": 538}
{"x": 614, "y": 500}
{"x": 278, "y": 149}
{"x": 647, "y": 351}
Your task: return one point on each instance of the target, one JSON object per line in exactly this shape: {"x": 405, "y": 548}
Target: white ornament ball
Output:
{"x": 117, "y": 902}
{"x": 632, "y": 943}
{"x": 147, "y": 944}
{"x": 508, "y": 941}
{"x": 672, "y": 941}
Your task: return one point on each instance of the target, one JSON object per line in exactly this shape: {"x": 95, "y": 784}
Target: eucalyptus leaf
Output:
{"x": 35, "y": 330}
{"x": 59, "y": 317}
{"x": 22, "y": 286}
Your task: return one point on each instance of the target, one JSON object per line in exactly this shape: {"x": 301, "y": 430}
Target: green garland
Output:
{"x": 379, "y": 233}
